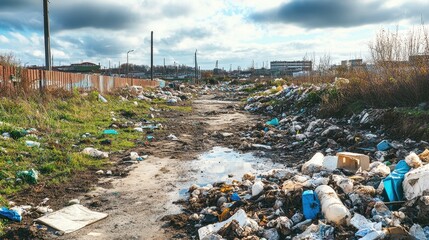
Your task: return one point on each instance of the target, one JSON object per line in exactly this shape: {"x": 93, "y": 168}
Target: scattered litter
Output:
{"x": 102, "y": 99}
{"x": 29, "y": 143}
{"x": 10, "y": 214}
{"x": 273, "y": 122}
{"x": 95, "y": 153}
{"x": 30, "y": 176}
{"x": 172, "y": 137}
{"x": 262, "y": 146}
{"x": 135, "y": 156}
{"x": 110, "y": 132}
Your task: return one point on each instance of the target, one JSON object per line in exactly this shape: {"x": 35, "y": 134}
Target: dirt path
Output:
{"x": 136, "y": 204}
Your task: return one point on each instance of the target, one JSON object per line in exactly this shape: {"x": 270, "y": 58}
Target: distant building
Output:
{"x": 81, "y": 67}
{"x": 419, "y": 59}
{"x": 291, "y": 67}
{"x": 352, "y": 63}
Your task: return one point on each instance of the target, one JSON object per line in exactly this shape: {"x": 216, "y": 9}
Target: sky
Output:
{"x": 234, "y": 32}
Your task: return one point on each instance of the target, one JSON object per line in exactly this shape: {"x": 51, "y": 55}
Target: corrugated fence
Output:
{"x": 15, "y": 80}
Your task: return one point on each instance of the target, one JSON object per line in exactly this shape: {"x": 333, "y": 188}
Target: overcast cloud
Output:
{"x": 339, "y": 13}
{"x": 233, "y": 32}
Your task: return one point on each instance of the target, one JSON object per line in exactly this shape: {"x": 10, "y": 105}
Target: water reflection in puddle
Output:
{"x": 224, "y": 165}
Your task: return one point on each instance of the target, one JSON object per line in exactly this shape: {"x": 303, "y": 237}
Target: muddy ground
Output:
{"x": 140, "y": 195}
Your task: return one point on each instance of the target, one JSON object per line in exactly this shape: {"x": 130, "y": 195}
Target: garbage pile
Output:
{"x": 292, "y": 127}
{"x": 346, "y": 196}
{"x": 169, "y": 94}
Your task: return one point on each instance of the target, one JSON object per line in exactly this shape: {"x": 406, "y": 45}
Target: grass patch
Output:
{"x": 60, "y": 124}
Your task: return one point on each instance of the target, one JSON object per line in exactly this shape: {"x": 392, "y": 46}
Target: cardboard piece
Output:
{"x": 71, "y": 218}
{"x": 353, "y": 161}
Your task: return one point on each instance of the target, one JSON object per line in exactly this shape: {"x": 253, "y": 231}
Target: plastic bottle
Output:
{"x": 332, "y": 207}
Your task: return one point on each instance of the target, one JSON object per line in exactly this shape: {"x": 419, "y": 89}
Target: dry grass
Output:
{"x": 390, "y": 80}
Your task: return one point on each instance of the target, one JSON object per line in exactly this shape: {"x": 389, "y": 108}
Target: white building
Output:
{"x": 291, "y": 67}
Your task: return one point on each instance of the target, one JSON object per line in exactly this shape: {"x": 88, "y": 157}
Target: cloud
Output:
{"x": 338, "y": 13}
{"x": 18, "y": 4}
{"x": 93, "y": 46}
{"x": 93, "y": 15}
{"x": 177, "y": 37}
{"x": 3, "y": 39}
{"x": 176, "y": 10}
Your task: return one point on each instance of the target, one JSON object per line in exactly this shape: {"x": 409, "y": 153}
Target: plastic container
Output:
{"x": 393, "y": 183}
{"x": 332, "y": 207}
{"x": 310, "y": 204}
{"x": 383, "y": 146}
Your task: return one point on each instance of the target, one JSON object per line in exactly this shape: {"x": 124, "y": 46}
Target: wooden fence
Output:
{"x": 22, "y": 80}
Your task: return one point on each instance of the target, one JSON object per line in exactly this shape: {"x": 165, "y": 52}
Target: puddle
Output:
{"x": 224, "y": 165}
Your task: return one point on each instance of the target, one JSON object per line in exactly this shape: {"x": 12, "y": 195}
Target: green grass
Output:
{"x": 60, "y": 124}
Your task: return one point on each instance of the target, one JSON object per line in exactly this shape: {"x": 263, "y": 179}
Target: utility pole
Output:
{"x": 151, "y": 55}
{"x": 47, "y": 36}
{"x": 196, "y": 67}
{"x": 128, "y": 68}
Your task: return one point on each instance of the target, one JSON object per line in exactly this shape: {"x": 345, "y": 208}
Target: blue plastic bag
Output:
{"x": 235, "y": 197}
{"x": 10, "y": 214}
{"x": 393, "y": 183}
{"x": 273, "y": 122}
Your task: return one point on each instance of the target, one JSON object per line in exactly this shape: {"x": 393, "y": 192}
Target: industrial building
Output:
{"x": 291, "y": 67}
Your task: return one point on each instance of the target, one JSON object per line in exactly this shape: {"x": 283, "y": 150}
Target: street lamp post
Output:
{"x": 127, "y": 61}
